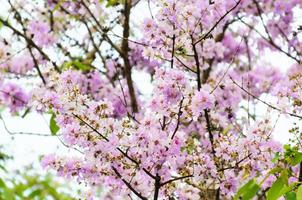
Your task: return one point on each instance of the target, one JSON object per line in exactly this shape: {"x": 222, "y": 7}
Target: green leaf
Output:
{"x": 8, "y": 194}
{"x": 35, "y": 193}
{"x": 2, "y": 183}
{"x": 299, "y": 193}
{"x": 275, "y": 170}
{"x": 275, "y": 191}
{"x": 78, "y": 65}
{"x": 286, "y": 147}
{"x": 251, "y": 192}
{"x": 297, "y": 158}
{"x": 67, "y": 65}
{"x": 288, "y": 189}
{"x": 81, "y": 66}
{"x": 248, "y": 191}
{"x": 20, "y": 188}
{"x": 54, "y": 128}
{"x": 276, "y": 158}
{"x": 112, "y": 3}
{"x": 284, "y": 176}
{"x": 290, "y": 196}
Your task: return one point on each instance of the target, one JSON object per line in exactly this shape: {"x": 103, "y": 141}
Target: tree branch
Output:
{"x": 138, "y": 194}
{"x": 176, "y": 179}
{"x": 178, "y": 118}
{"x": 125, "y": 50}
{"x": 217, "y": 23}
{"x": 269, "y": 105}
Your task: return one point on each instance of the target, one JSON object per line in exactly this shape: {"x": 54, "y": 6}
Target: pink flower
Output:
{"x": 41, "y": 33}
{"x": 48, "y": 161}
{"x": 13, "y": 96}
{"x": 148, "y": 25}
{"x": 201, "y": 100}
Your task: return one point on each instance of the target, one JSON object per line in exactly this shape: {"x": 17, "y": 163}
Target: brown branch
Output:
{"x": 197, "y": 64}
{"x": 236, "y": 164}
{"x": 206, "y": 112}
{"x": 91, "y": 38}
{"x": 271, "y": 42}
{"x": 217, "y": 23}
{"x": 178, "y": 118}
{"x": 248, "y": 52}
{"x": 19, "y": 20}
{"x": 209, "y": 129}
{"x": 163, "y": 125}
{"x": 103, "y": 30}
{"x": 270, "y": 39}
{"x": 173, "y": 50}
{"x": 187, "y": 67}
{"x": 11, "y": 56}
{"x": 288, "y": 41}
{"x": 36, "y": 65}
{"x": 23, "y": 133}
{"x": 228, "y": 68}
{"x": 124, "y": 51}
{"x": 157, "y": 186}
{"x": 269, "y": 105}
{"x": 207, "y": 116}
{"x": 138, "y": 194}
{"x": 131, "y": 40}
{"x": 29, "y": 42}
{"x": 14, "y": 97}
{"x": 176, "y": 179}
{"x": 125, "y": 55}
{"x": 119, "y": 149}
{"x": 92, "y": 128}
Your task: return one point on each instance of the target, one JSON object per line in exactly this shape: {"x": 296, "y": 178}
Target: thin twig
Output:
{"x": 217, "y": 23}
{"x": 269, "y": 105}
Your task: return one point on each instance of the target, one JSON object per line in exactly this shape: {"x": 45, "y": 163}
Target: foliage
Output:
{"x": 285, "y": 185}
{"x": 28, "y": 185}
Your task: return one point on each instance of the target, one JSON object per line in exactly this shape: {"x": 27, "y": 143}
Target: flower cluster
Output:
{"x": 197, "y": 135}
{"x": 13, "y": 96}
{"x": 40, "y": 33}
